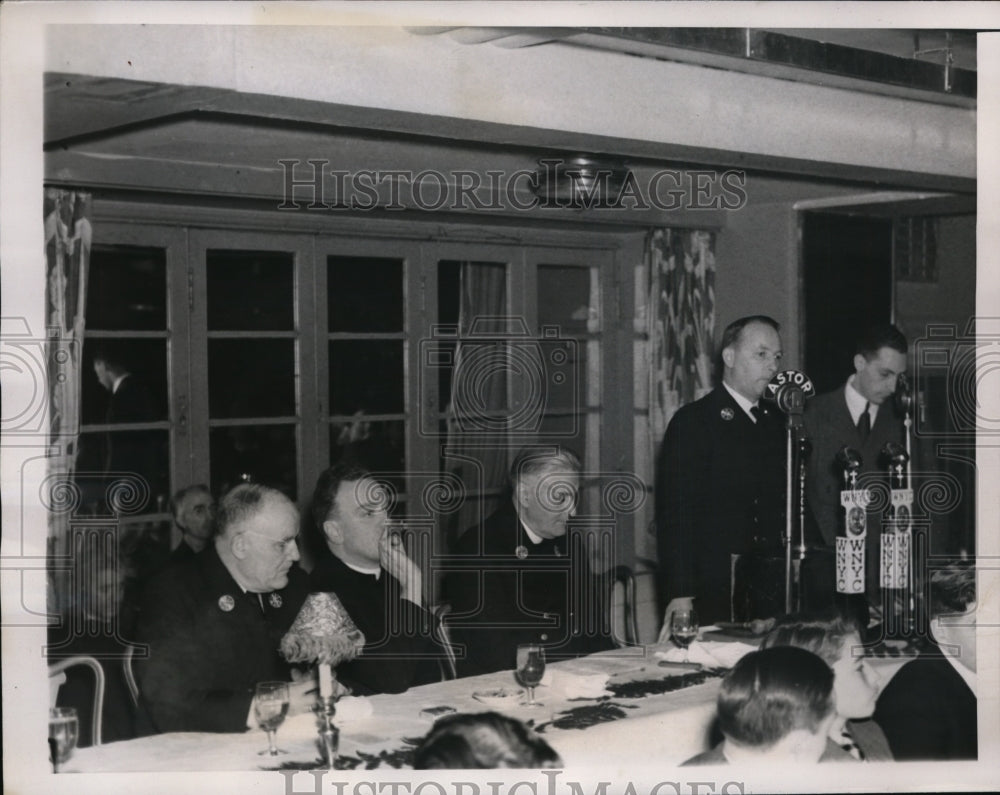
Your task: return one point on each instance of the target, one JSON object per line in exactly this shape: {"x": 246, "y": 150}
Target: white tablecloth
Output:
{"x": 674, "y": 724}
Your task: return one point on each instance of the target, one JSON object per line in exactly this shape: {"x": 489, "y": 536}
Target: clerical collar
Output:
{"x": 371, "y": 572}
{"x": 856, "y": 402}
{"x": 535, "y": 539}
{"x": 742, "y": 402}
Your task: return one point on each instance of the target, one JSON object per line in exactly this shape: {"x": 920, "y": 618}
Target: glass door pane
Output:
{"x": 366, "y": 370}
{"x": 252, "y": 368}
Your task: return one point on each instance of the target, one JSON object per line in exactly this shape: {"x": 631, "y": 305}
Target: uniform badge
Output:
{"x": 727, "y": 414}
{"x": 274, "y": 600}
{"x": 226, "y": 603}
{"x": 521, "y": 551}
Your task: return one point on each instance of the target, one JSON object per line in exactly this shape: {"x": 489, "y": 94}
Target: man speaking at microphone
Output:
{"x": 862, "y": 415}
{"x": 721, "y": 487}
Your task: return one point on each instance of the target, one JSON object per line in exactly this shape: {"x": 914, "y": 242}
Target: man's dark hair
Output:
{"x": 241, "y": 503}
{"x": 324, "y": 498}
{"x": 883, "y": 335}
{"x": 182, "y": 494}
{"x": 953, "y": 588}
{"x": 486, "y": 740}
{"x": 770, "y": 693}
{"x": 733, "y": 331}
{"x": 823, "y": 635}
{"x": 532, "y": 460}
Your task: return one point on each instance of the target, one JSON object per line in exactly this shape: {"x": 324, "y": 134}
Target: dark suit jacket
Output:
{"x": 180, "y": 554}
{"x": 399, "y": 651}
{"x": 204, "y": 659}
{"x": 928, "y": 711}
{"x": 827, "y": 422}
{"x": 720, "y": 490}
{"x": 500, "y": 600}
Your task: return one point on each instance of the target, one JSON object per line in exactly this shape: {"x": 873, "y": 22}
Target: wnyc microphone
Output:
{"x": 788, "y": 390}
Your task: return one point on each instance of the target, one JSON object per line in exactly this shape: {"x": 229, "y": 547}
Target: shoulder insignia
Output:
{"x": 226, "y": 603}
{"x": 727, "y": 414}
{"x": 274, "y": 599}
{"x": 521, "y": 551}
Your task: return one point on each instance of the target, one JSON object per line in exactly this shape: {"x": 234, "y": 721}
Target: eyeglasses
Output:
{"x": 281, "y": 545}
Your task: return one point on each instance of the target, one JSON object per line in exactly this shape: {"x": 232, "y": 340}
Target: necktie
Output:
{"x": 757, "y": 413}
{"x": 865, "y": 423}
{"x": 846, "y": 741}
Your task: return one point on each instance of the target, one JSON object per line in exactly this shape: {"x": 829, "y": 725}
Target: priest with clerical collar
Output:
{"x": 376, "y": 581}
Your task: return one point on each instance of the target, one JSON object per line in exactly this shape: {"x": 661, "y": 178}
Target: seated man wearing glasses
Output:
{"x": 214, "y": 623}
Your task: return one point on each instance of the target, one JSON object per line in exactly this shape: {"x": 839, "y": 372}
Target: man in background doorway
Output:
{"x": 862, "y": 415}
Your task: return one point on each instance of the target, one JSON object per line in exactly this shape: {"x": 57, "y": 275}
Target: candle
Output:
{"x": 325, "y": 680}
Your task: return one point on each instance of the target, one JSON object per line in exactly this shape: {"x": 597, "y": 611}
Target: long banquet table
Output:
{"x": 651, "y": 713}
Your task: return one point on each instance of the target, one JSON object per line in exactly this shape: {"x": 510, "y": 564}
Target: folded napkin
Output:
{"x": 349, "y": 709}
{"x": 710, "y": 654}
{"x": 563, "y": 684}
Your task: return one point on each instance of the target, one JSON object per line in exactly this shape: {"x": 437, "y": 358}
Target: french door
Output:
{"x": 275, "y": 354}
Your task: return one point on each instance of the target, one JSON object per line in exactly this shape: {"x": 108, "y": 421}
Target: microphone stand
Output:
{"x": 794, "y": 406}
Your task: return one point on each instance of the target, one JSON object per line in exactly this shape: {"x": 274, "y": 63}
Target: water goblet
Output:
{"x": 530, "y": 669}
{"x": 684, "y": 628}
{"x": 63, "y": 732}
{"x": 270, "y": 706}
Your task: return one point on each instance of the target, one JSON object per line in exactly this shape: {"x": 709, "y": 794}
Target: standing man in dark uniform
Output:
{"x": 721, "y": 483}
{"x": 861, "y": 415}
{"x": 214, "y": 623}
{"x": 514, "y": 581}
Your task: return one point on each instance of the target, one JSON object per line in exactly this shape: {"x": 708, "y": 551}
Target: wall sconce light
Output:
{"x": 579, "y": 181}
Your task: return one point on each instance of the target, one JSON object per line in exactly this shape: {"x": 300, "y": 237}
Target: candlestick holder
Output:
{"x": 329, "y": 735}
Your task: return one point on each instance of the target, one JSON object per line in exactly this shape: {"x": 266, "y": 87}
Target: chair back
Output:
{"x": 129, "y": 673}
{"x": 624, "y": 607}
{"x": 449, "y": 668}
{"x": 56, "y": 669}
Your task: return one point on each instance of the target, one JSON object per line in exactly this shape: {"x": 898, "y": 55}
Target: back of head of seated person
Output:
{"x": 486, "y": 740}
{"x": 776, "y": 705}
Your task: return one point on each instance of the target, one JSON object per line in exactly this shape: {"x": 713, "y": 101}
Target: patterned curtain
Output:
{"x": 681, "y": 321}
{"x": 67, "y": 257}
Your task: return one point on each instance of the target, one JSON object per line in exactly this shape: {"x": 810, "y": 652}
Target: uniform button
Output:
{"x": 544, "y": 636}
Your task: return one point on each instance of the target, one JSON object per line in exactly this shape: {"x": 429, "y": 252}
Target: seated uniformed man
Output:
{"x": 513, "y": 581}
{"x": 214, "y": 623}
{"x": 775, "y": 705}
{"x": 376, "y": 581}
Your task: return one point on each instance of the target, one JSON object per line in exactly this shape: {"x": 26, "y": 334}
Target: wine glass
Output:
{"x": 270, "y": 706}
{"x": 684, "y": 628}
{"x": 63, "y": 731}
{"x": 530, "y": 669}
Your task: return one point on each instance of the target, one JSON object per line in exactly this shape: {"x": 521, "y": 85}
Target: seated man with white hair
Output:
{"x": 515, "y": 579}
{"x": 214, "y": 623}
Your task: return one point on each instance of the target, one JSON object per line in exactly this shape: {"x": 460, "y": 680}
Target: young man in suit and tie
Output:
{"x": 860, "y": 414}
